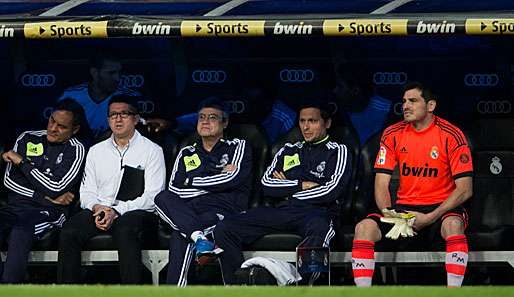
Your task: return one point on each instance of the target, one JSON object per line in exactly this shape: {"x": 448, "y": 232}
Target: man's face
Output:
{"x": 60, "y": 127}
{"x": 122, "y": 121}
{"x": 312, "y": 125}
{"x": 210, "y": 122}
{"x": 415, "y": 108}
{"x": 107, "y": 77}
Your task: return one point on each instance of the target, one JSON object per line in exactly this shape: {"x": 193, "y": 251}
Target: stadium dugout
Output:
{"x": 256, "y": 53}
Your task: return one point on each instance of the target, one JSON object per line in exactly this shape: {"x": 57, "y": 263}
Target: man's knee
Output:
{"x": 452, "y": 225}
{"x": 367, "y": 229}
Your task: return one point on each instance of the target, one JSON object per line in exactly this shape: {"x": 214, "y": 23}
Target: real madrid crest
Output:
{"x": 321, "y": 167}
{"x": 495, "y": 167}
{"x": 434, "y": 153}
{"x": 59, "y": 159}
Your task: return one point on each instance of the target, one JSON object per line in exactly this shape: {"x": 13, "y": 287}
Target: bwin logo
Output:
{"x": 6, "y": 32}
{"x": 435, "y": 28}
{"x": 158, "y": 29}
{"x": 419, "y": 171}
{"x": 298, "y": 29}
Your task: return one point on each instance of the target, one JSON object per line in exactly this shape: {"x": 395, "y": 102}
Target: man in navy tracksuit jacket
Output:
{"x": 210, "y": 180}
{"x": 42, "y": 170}
{"x": 311, "y": 174}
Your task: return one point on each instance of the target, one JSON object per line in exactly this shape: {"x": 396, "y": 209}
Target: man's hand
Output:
{"x": 422, "y": 220}
{"x": 157, "y": 125}
{"x": 402, "y": 223}
{"x": 279, "y": 175}
{"x": 64, "y": 199}
{"x": 12, "y": 157}
{"x": 308, "y": 185}
{"x": 229, "y": 168}
{"x": 104, "y": 218}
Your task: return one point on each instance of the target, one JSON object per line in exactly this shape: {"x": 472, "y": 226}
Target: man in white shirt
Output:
{"x": 122, "y": 176}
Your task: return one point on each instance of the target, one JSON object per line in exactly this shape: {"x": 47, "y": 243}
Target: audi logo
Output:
{"x": 494, "y": 107}
{"x": 235, "y": 106}
{"x": 38, "y": 80}
{"x": 47, "y": 112}
{"x": 390, "y": 78}
{"x": 132, "y": 81}
{"x": 481, "y": 80}
{"x": 398, "y": 108}
{"x": 145, "y": 107}
{"x": 209, "y": 76}
{"x": 296, "y": 75}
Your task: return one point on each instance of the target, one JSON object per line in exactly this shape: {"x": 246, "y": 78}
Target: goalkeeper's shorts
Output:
{"x": 428, "y": 233}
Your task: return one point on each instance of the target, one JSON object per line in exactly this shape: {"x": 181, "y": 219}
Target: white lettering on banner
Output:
{"x": 298, "y": 29}
{"x": 158, "y": 29}
{"x": 435, "y": 27}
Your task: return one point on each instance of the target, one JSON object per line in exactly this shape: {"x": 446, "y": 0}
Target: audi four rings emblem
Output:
{"x": 209, "y": 76}
{"x": 481, "y": 79}
{"x": 47, "y": 112}
{"x": 145, "y": 107}
{"x": 494, "y": 107}
{"x": 398, "y": 108}
{"x": 235, "y": 106}
{"x": 296, "y": 75}
{"x": 38, "y": 80}
{"x": 389, "y": 78}
{"x": 132, "y": 81}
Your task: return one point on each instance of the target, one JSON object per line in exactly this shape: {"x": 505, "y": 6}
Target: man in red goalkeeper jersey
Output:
{"x": 435, "y": 168}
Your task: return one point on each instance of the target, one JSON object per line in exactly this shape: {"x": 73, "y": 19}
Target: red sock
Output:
{"x": 363, "y": 262}
{"x": 456, "y": 259}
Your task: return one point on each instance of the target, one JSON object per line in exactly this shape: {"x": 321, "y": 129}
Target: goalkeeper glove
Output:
{"x": 402, "y": 223}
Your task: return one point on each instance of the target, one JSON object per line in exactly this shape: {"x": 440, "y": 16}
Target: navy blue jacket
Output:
{"x": 48, "y": 169}
{"x": 197, "y": 172}
{"x": 324, "y": 162}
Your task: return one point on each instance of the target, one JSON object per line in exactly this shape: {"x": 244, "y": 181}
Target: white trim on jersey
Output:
{"x": 226, "y": 176}
{"x": 8, "y": 182}
{"x": 57, "y": 186}
{"x": 336, "y": 176}
{"x": 276, "y": 182}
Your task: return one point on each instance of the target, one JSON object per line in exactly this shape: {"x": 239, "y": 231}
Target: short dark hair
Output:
{"x": 131, "y": 101}
{"x": 426, "y": 92}
{"x": 98, "y": 59}
{"x": 216, "y": 103}
{"x": 68, "y": 104}
{"x": 319, "y": 100}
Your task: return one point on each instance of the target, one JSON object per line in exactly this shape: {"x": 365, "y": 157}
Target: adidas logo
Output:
{"x": 191, "y": 163}
{"x": 403, "y": 150}
{"x": 292, "y": 162}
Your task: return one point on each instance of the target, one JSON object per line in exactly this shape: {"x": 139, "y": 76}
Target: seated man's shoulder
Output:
{"x": 76, "y": 89}
{"x": 149, "y": 144}
{"x": 32, "y": 134}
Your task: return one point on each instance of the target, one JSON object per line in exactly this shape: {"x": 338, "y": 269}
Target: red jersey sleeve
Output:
{"x": 386, "y": 158}
{"x": 459, "y": 156}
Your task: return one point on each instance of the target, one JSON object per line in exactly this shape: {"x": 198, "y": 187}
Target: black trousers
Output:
{"x": 232, "y": 233}
{"x": 126, "y": 231}
{"x": 20, "y": 224}
{"x": 186, "y": 216}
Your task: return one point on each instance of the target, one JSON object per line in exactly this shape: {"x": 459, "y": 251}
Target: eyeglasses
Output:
{"x": 123, "y": 115}
{"x": 209, "y": 117}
